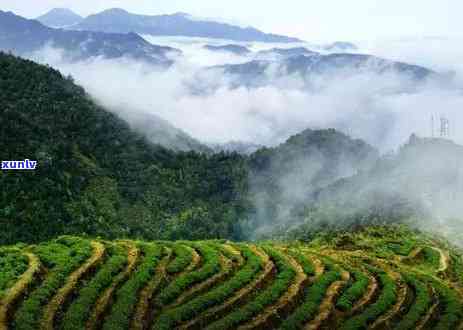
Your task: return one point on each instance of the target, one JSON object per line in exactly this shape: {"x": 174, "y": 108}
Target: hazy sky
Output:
{"x": 308, "y": 19}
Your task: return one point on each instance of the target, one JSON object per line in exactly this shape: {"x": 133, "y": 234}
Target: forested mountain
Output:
{"x": 95, "y": 175}
{"x": 306, "y": 64}
{"x": 179, "y": 24}
{"x": 340, "y": 46}
{"x": 284, "y": 179}
{"x": 160, "y": 131}
{"x": 23, "y": 36}
{"x": 422, "y": 184}
{"x": 426, "y": 173}
{"x": 283, "y": 53}
{"x": 234, "y": 49}
{"x": 60, "y": 17}
{"x": 245, "y": 148}
{"x": 113, "y": 218}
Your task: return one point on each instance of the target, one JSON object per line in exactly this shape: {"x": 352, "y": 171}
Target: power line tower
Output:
{"x": 432, "y": 126}
{"x": 443, "y": 130}
{"x": 444, "y": 127}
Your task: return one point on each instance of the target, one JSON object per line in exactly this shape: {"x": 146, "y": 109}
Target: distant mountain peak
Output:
{"x": 284, "y": 53}
{"x": 118, "y": 20}
{"x": 62, "y": 10}
{"x": 340, "y": 46}
{"x": 60, "y": 17}
{"x": 230, "y": 48}
{"x": 23, "y": 37}
{"x": 255, "y": 73}
{"x": 117, "y": 11}
{"x": 182, "y": 14}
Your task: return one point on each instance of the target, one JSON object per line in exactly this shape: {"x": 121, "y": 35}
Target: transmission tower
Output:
{"x": 444, "y": 127}
{"x": 432, "y": 126}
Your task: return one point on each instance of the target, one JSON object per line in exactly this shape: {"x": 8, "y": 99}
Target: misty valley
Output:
{"x": 180, "y": 172}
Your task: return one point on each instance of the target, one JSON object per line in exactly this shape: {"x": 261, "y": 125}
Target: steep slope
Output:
{"x": 244, "y": 148}
{"x": 180, "y": 24}
{"x": 421, "y": 185}
{"x": 284, "y": 178}
{"x": 160, "y": 131}
{"x": 59, "y": 17}
{"x": 95, "y": 175}
{"x": 23, "y": 37}
{"x": 426, "y": 173}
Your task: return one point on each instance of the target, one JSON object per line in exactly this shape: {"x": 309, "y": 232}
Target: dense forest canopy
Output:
{"x": 99, "y": 177}
{"x": 176, "y": 172}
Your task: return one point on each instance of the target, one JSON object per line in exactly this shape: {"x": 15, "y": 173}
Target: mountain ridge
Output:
{"x": 95, "y": 173}
{"x": 59, "y": 18}
{"x": 22, "y": 36}
{"x": 254, "y": 72}
{"x": 98, "y": 176}
{"x": 419, "y": 185}
{"x": 116, "y": 20}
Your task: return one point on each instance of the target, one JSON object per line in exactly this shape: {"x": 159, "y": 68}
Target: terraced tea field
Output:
{"x": 377, "y": 278}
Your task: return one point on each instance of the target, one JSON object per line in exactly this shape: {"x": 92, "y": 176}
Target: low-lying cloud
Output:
{"x": 382, "y": 109}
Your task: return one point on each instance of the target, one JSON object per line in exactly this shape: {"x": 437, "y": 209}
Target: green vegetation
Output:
{"x": 354, "y": 292}
{"x": 401, "y": 248}
{"x": 183, "y": 258}
{"x": 79, "y": 311}
{"x": 456, "y": 270}
{"x": 98, "y": 178}
{"x": 431, "y": 257}
{"x": 253, "y": 292}
{"x": 126, "y": 297}
{"x": 305, "y": 263}
{"x": 385, "y": 301}
{"x": 452, "y": 312}
{"x": 282, "y": 281}
{"x": 210, "y": 267}
{"x": 420, "y": 305}
{"x": 216, "y": 296}
{"x": 313, "y": 296}
{"x": 60, "y": 257}
{"x": 12, "y": 264}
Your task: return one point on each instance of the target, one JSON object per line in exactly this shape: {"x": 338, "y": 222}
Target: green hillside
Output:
{"x": 97, "y": 176}
{"x": 114, "y": 231}
{"x": 376, "y": 278}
